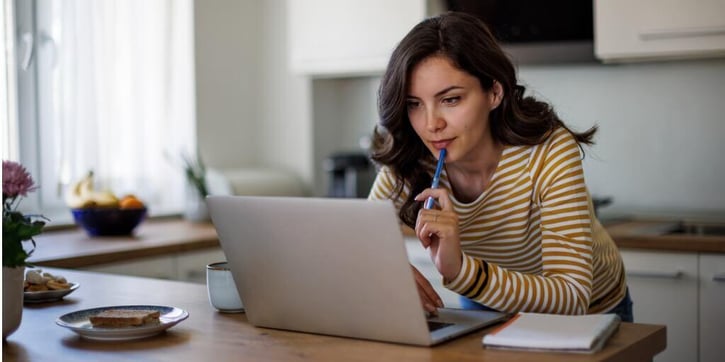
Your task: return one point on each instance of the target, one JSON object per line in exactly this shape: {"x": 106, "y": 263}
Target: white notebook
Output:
{"x": 552, "y": 332}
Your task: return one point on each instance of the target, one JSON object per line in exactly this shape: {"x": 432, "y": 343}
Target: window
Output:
{"x": 107, "y": 86}
{"x": 8, "y": 130}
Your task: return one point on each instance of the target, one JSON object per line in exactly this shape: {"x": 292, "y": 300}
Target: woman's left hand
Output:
{"x": 437, "y": 229}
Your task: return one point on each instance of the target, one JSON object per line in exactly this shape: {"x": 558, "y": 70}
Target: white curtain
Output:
{"x": 8, "y": 100}
{"x": 119, "y": 95}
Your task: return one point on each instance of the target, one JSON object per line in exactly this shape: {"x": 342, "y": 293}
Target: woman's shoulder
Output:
{"x": 559, "y": 139}
{"x": 384, "y": 184}
{"x": 559, "y": 143}
{"x": 561, "y": 135}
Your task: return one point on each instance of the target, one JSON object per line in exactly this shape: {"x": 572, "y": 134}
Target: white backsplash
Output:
{"x": 660, "y": 146}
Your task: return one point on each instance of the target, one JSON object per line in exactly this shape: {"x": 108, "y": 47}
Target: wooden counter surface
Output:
{"x": 75, "y": 249}
{"x": 634, "y": 235}
{"x": 208, "y": 335}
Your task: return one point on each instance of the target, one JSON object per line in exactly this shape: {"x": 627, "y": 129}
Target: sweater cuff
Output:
{"x": 472, "y": 277}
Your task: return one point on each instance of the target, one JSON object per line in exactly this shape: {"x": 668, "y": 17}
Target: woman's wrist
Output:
{"x": 453, "y": 270}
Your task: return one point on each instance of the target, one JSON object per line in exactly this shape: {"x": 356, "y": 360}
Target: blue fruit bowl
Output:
{"x": 108, "y": 221}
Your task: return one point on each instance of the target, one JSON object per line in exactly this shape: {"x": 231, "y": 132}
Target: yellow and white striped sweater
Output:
{"x": 531, "y": 242}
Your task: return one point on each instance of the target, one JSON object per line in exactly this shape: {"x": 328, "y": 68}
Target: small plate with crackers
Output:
{"x": 42, "y": 287}
{"x": 124, "y": 322}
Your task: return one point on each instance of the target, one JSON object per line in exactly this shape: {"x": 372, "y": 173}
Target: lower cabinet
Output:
{"x": 664, "y": 290}
{"x": 686, "y": 292}
{"x": 184, "y": 266}
{"x": 191, "y": 266}
{"x": 159, "y": 267}
{"x": 712, "y": 307}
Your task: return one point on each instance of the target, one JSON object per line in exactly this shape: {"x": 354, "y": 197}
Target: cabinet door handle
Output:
{"x": 655, "y": 274}
{"x": 660, "y": 34}
{"x": 719, "y": 277}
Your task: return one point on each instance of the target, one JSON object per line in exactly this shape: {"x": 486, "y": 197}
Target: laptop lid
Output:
{"x": 327, "y": 266}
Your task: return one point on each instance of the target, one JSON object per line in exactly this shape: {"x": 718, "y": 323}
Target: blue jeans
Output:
{"x": 623, "y": 309}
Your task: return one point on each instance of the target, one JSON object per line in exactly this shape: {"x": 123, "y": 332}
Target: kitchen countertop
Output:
{"x": 74, "y": 249}
{"x": 652, "y": 235}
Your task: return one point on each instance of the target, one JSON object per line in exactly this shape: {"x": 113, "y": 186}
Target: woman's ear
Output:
{"x": 496, "y": 95}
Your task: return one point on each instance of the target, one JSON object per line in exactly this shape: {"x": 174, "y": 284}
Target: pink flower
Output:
{"x": 16, "y": 180}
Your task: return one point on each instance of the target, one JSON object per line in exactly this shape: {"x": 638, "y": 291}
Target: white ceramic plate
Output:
{"x": 48, "y": 295}
{"x": 80, "y": 323}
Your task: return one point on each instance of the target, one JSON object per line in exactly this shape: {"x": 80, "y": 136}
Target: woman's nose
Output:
{"x": 434, "y": 121}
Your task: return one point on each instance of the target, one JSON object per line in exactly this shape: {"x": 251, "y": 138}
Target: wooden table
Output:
{"x": 208, "y": 335}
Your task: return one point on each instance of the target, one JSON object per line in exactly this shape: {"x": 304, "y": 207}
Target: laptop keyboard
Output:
{"x": 434, "y": 326}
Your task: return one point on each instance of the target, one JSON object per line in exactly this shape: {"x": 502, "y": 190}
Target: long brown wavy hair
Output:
{"x": 470, "y": 45}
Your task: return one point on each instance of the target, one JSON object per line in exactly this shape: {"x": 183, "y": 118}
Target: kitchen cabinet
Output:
{"x": 664, "y": 290}
{"x": 712, "y": 307}
{"x": 686, "y": 292}
{"x": 658, "y": 29}
{"x": 187, "y": 266}
{"x": 159, "y": 267}
{"x": 191, "y": 266}
{"x": 346, "y": 38}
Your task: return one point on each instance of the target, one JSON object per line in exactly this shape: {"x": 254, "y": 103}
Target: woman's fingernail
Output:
{"x": 440, "y": 303}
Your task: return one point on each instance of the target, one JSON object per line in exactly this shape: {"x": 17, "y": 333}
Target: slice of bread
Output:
{"x": 125, "y": 317}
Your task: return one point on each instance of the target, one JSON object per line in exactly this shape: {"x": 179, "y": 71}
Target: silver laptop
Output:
{"x": 330, "y": 266}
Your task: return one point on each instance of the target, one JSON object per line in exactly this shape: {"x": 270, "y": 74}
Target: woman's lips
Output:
{"x": 439, "y": 145}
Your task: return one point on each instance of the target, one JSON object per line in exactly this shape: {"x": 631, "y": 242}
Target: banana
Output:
{"x": 82, "y": 194}
{"x": 77, "y": 195}
{"x": 105, "y": 198}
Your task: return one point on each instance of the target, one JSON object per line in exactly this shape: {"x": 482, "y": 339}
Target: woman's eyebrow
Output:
{"x": 441, "y": 92}
{"x": 448, "y": 89}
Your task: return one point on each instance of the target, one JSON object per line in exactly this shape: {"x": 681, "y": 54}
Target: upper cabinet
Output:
{"x": 345, "y": 38}
{"x": 658, "y": 29}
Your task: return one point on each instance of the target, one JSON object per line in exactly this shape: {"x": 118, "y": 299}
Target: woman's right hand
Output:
{"x": 428, "y": 296}
{"x": 437, "y": 230}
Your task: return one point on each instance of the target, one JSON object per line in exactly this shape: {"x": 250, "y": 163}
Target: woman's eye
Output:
{"x": 412, "y": 104}
{"x": 451, "y": 100}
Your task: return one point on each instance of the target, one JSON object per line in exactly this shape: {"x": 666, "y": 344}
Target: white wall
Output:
{"x": 661, "y": 124}
{"x": 660, "y": 146}
{"x": 286, "y": 113}
{"x": 227, "y": 81}
{"x": 251, "y": 112}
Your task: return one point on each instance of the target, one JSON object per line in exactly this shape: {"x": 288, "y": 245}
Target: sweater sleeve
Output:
{"x": 564, "y": 284}
{"x": 384, "y": 188}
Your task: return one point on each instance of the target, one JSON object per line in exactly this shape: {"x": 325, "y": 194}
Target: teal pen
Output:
{"x": 436, "y": 178}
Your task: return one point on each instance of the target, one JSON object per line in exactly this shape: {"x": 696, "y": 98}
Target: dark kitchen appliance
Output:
{"x": 536, "y": 31}
{"x": 349, "y": 175}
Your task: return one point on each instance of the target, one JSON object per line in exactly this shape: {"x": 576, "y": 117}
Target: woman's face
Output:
{"x": 448, "y": 108}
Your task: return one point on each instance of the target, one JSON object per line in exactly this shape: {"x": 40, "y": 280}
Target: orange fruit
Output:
{"x": 131, "y": 202}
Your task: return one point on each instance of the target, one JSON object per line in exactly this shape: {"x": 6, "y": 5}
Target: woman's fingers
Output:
{"x": 439, "y": 195}
{"x": 432, "y": 224}
{"x": 428, "y": 296}
{"x": 431, "y": 221}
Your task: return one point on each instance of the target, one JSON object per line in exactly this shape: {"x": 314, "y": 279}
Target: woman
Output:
{"x": 513, "y": 228}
